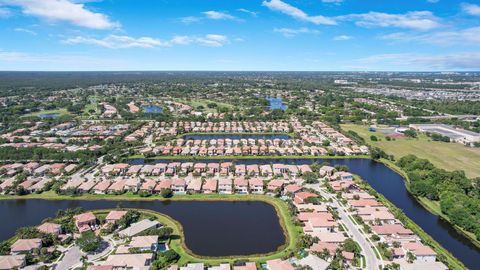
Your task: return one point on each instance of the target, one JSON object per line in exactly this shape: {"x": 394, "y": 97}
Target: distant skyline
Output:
{"x": 278, "y": 35}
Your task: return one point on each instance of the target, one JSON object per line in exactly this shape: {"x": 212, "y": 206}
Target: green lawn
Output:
{"x": 449, "y": 156}
{"x": 203, "y": 102}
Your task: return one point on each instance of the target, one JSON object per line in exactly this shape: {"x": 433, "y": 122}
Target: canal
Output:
{"x": 389, "y": 183}
{"x": 211, "y": 228}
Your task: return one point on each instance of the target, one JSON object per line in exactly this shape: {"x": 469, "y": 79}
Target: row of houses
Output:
{"x": 189, "y": 184}
{"x": 200, "y": 168}
{"x": 36, "y": 168}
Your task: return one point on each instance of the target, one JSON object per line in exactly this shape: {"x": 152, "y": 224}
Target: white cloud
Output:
{"x": 291, "y": 32}
{"x": 5, "y": 12}
{"x": 454, "y": 61}
{"x": 190, "y": 19}
{"x": 254, "y": 14}
{"x": 471, "y": 9}
{"x": 24, "y": 30}
{"x": 117, "y": 42}
{"x": 180, "y": 40}
{"x": 63, "y": 10}
{"x": 125, "y": 42}
{"x": 212, "y": 40}
{"x": 342, "y": 38}
{"x": 217, "y": 15}
{"x": 464, "y": 36}
{"x": 417, "y": 20}
{"x": 297, "y": 13}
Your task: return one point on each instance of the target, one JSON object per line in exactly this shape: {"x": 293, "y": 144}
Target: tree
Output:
{"x": 165, "y": 259}
{"x": 130, "y": 217}
{"x": 351, "y": 246}
{"x": 373, "y": 138}
{"x": 310, "y": 177}
{"x": 166, "y": 193}
{"x": 88, "y": 241}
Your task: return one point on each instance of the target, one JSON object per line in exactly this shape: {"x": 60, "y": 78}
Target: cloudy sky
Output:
{"x": 323, "y": 35}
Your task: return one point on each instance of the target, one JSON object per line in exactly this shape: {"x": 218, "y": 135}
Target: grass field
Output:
{"x": 449, "y": 156}
{"x": 203, "y": 102}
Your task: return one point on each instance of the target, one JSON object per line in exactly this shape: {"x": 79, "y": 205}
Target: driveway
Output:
{"x": 71, "y": 258}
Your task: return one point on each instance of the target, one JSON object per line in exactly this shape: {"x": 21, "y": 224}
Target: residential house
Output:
{"x": 84, "y": 221}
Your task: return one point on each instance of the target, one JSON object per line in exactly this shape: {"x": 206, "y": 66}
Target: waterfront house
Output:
{"x": 241, "y": 185}
{"x": 132, "y": 184}
{"x": 421, "y": 252}
{"x": 114, "y": 216}
{"x": 148, "y": 185}
{"x": 50, "y": 228}
{"x": 194, "y": 186}
{"x": 163, "y": 184}
{"x": 101, "y": 187}
{"x": 84, "y": 221}
{"x": 274, "y": 187}
{"x": 210, "y": 186}
{"x": 118, "y": 186}
{"x": 139, "y": 227}
{"x": 178, "y": 186}
{"x": 25, "y": 245}
{"x": 225, "y": 186}
{"x": 327, "y": 171}
{"x": 256, "y": 185}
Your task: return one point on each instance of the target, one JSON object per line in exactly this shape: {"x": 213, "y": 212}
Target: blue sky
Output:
{"x": 311, "y": 35}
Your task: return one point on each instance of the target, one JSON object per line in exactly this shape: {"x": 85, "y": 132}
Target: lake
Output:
{"x": 236, "y": 136}
{"x": 276, "y": 103}
{"x": 389, "y": 183}
{"x": 152, "y": 109}
{"x": 211, "y": 228}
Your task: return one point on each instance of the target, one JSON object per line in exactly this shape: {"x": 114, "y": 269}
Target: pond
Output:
{"x": 389, "y": 183}
{"x": 236, "y": 136}
{"x": 276, "y": 103}
{"x": 211, "y": 228}
{"x": 152, "y": 109}
{"x": 49, "y": 115}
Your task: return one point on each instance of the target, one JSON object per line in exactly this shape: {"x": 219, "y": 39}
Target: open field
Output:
{"x": 203, "y": 102}
{"x": 449, "y": 156}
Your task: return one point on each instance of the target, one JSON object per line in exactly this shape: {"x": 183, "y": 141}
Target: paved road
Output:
{"x": 372, "y": 262}
{"x": 71, "y": 258}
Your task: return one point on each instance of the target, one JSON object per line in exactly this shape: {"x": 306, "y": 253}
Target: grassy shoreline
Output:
{"x": 290, "y": 231}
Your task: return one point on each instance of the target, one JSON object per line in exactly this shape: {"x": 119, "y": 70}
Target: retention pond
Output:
{"x": 211, "y": 228}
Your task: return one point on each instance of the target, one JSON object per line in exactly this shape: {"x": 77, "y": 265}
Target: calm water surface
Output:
{"x": 152, "y": 109}
{"x": 276, "y": 103}
{"x": 212, "y": 228}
